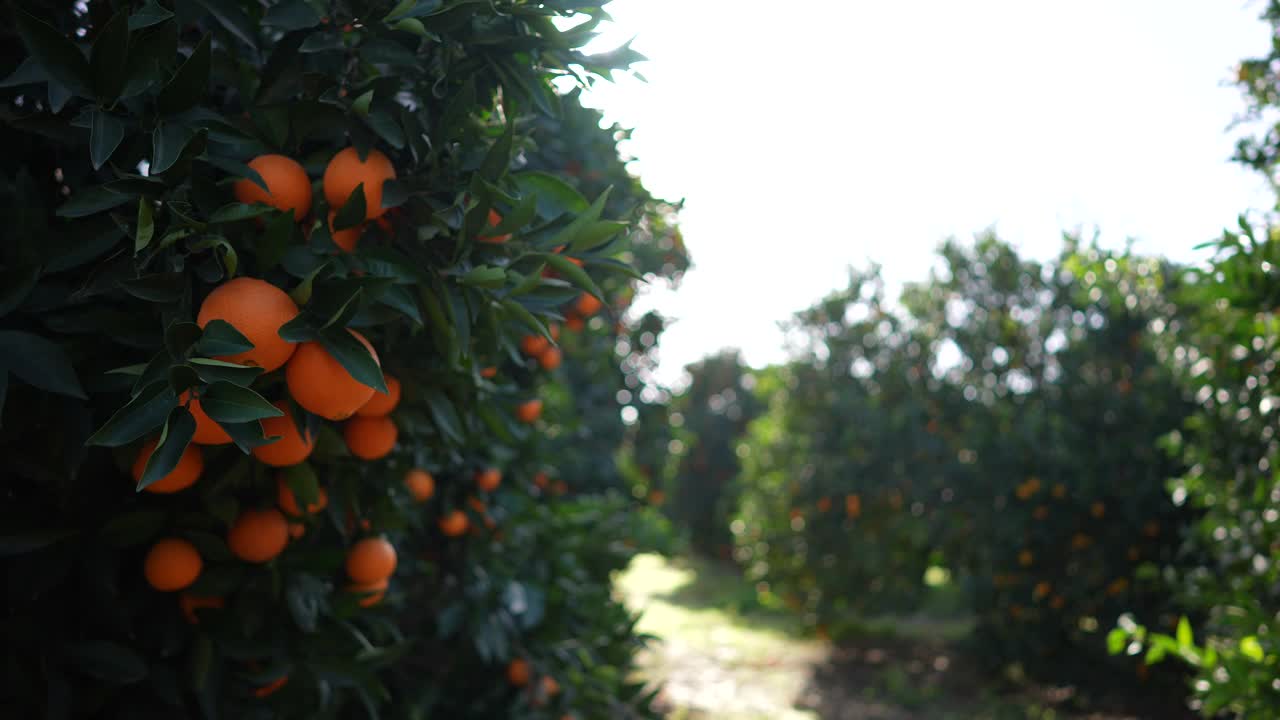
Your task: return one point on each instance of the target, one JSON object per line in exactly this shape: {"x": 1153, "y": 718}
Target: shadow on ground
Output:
{"x": 724, "y": 656}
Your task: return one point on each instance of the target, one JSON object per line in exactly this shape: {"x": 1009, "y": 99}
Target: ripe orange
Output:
{"x": 258, "y": 536}
{"x": 289, "y": 503}
{"x": 172, "y": 564}
{"x": 824, "y": 504}
{"x": 518, "y": 672}
{"x": 257, "y": 309}
{"x": 371, "y": 560}
{"x": 476, "y": 504}
{"x": 550, "y": 359}
{"x": 373, "y": 592}
{"x": 420, "y": 484}
{"x": 550, "y": 687}
{"x": 191, "y": 603}
{"x": 346, "y": 171}
{"x": 587, "y": 305}
{"x": 574, "y": 321}
{"x": 319, "y": 383}
{"x": 540, "y": 479}
{"x": 207, "y": 432}
{"x": 488, "y": 479}
{"x": 345, "y": 239}
{"x": 488, "y": 372}
{"x": 297, "y": 530}
{"x": 291, "y": 448}
{"x": 534, "y": 345}
{"x": 370, "y": 438}
{"x": 529, "y": 411}
{"x": 494, "y": 220}
{"x": 288, "y": 187}
{"x": 454, "y": 524}
{"x": 382, "y": 403}
{"x": 852, "y": 505}
{"x": 187, "y": 471}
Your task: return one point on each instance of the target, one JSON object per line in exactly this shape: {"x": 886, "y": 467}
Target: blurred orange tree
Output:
{"x": 284, "y": 409}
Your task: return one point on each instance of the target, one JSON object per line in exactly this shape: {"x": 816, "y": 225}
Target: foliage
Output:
{"x": 128, "y": 123}
{"x": 1002, "y": 425}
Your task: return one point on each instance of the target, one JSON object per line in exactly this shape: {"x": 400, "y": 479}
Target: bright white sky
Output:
{"x": 842, "y": 131}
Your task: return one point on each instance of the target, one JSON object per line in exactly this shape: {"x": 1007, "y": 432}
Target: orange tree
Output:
{"x": 272, "y": 447}
{"x": 1003, "y": 424}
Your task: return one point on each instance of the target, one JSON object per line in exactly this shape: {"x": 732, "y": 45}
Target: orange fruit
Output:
{"x": 371, "y": 560}
{"x": 488, "y": 479}
{"x": 373, "y": 592}
{"x": 550, "y": 359}
{"x": 476, "y": 504}
{"x": 553, "y": 329}
{"x": 824, "y": 504}
{"x": 656, "y": 497}
{"x": 488, "y": 372}
{"x": 454, "y": 524}
{"x": 550, "y": 687}
{"x": 297, "y": 530}
{"x": 420, "y": 484}
{"x": 540, "y": 479}
{"x": 534, "y": 345}
{"x": 257, "y": 309}
{"x": 518, "y": 672}
{"x": 271, "y": 687}
{"x": 495, "y": 219}
{"x": 207, "y": 432}
{"x": 561, "y": 487}
{"x": 319, "y": 383}
{"x": 258, "y": 536}
{"x": 182, "y": 476}
{"x": 370, "y": 438}
{"x": 288, "y": 187}
{"x": 191, "y": 603}
{"x": 346, "y": 171}
{"x": 382, "y": 403}
{"x": 291, "y": 448}
{"x": 529, "y": 411}
{"x": 345, "y": 239}
{"x": 289, "y": 503}
{"x": 587, "y": 305}
{"x": 574, "y": 321}
{"x": 172, "y": 564}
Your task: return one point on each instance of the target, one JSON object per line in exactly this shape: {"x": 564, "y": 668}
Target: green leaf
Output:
{"x": 523, "y": 315}
{"x": 361, "y": 103}
{"x": 24, "y": 542}
{"x": 571, "y": 272}
{"x": 411, "y": 25}
{"x": 29, "y": 72}
{"x": 1116, "y": 641}
{"x": 231, "y": 16}
{"x": 212, "y": 371}
{"x": 304, "y": 483}
{"x": 158, "y": 287}
{"x": 352, "y": 355}
{"x": 353, "y": 211}
{"x": 485, "y": 276}
{"x": 237, "y": 170}
{"x": 179, "y": 337}
{"x": 1251, "y": 648}
{"x": 189, "y": 84}
{"x": 60, "y": 59}
{"x": 498, "y": 159}
{"x": 305, "y": 596}
{"x": 228, "y": 253}
{"x": 235, "y": 212}
{"x": 146, "y": 226}
{"x": 90, "y": 201}
{"x": 107, "y": 661}
{"x": 16, "y": 282}
{"x": 39, "y": 363}
{"x": 1184, "y": 635}
{"x": 109, "y": 58}
{"x": 413, "y": 9}
{"x": 596, "y": 235}
{"x": 444, "y": 414}
{"x": 149, "y": 14}
{"x": 221, "y": 338}
{"x": 555, "y": 196}
{"x": 168, "y": 141}
{"x": 140, "y": 416}
{"x": 174, "y": 438}
{"x": 291, "y": 15}
{"x": 226, "y": 402}
{"x": 154, "y": 371}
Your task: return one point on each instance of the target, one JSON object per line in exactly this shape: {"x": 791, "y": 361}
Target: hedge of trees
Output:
{"x": 306, "y": 312}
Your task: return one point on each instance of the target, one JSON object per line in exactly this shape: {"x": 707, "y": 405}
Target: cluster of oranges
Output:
{"x": 519, "y": 674}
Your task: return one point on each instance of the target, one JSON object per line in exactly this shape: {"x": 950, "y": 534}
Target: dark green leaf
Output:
{"x": 149, "y": 14}
{"x": 39, "y": 362}
{"x": 229, "y": 403}
{"x": 135, "y": 527}
{"x": 90, "y": 201}
{"x": 291, "y": 15}
{"x": 246, "y": 435}
{"x": 158, "y": 287}
{"x": 235, "y": 212}
{"x": 189, "y": 84}
{"x": 16, "y": 283}
{"x": 232, "y": 17}
{"x": 484, "y": 276}
{"x": 146, "y": 226}
{"x": 221, "y": 338}
{"x": 109, "y": 58}
{"x": 29, "y": 72}
{"x": 153, "y": 372}
{"x": 444, "y": 414}
{"x": 179, "y": 338}
{"x": 236, "y": 169}
{"x": 304, "y": 483}
{"x": 174, "y": 439}
{"x": 305, "y": 597}
{"x": 25, "y": 542}
{"x": 168, "y": 141}
{"x": 353, "y": 211}
{"x": 140, "y": 416}
{"x": 211, "y": 370}
{"x": 555, "y": 196}
{"x": 352, "y": 355}
{"x": 571, "y": 272}
{"x": 58, "y": 56}
{"x": 107, "y": 661}
{"x": 498, "y": 159}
